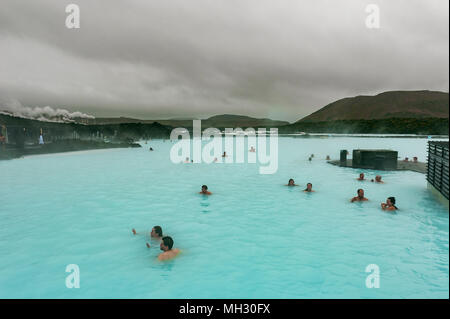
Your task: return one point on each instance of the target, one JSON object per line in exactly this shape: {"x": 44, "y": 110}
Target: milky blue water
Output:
{"x": 253, "y": 238}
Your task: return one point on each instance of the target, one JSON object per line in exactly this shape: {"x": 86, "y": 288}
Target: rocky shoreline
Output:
{"x": 11, "y": 152}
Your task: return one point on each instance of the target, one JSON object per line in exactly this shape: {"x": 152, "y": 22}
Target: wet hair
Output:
{"x": 158, "y": 230}
{"x": 306, "y": 189}
{"x": 168, "y": 241}
{"x": 360, "y": 189}
{"x": 204, "y": 186}
{"x": 291, "y": 179}
{"x": 392, "y": 200}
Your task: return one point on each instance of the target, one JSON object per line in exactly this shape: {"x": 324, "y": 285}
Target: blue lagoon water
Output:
{"x": 253, "y": 238}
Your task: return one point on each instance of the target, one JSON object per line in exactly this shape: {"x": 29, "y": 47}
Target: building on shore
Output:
{"x": 437, "y": 170}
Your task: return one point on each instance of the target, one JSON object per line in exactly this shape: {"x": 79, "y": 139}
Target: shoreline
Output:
{"x": 10, "y": 153}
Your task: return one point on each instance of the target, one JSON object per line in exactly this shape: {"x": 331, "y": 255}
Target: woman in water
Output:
{"x": 308, "y": 188}
{"x": 389, "y": 205}
{"x": 291, "y": 183}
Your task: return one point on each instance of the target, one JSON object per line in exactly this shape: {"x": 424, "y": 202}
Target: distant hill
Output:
{"x": 219, "y": 121}
{"x": 232, "y": 121}
{"x": 392, "y": 104}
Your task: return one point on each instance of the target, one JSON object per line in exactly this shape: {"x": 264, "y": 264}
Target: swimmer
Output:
{"x": 406, "y": 159}
{"x": 310, "y": 159}
{"x": 187, "y": 160}
{"x": 308, "y": 188}
{"x": 224, "y": 154}
{"x": 361, "y": 177}
{"x": 328, "y": 158}
{"x": 415, "y": 159}
{"x": 291, "y": 183}
{"x": 156, "y": 232}
{"x": 166, "y": 246}
{"x": 215, "y": 159}
{"x": 205, "y": 190}
{"x": 360, "y": 197}
{"x": 151, "y": 149}
{"x": 389, "y": 205}
{"x": 378, "y": 179}
{"x": 252, "y": 149}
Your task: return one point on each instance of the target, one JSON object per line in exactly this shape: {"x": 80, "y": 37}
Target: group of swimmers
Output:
{"x": 415, "y": 159}
{"x": 166, "y": 243}
{"x": 390, "y": 201}
{"x": 389, "y": 205}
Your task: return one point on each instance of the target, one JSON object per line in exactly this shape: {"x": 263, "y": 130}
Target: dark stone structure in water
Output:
{"x": 370, "y": 159}
{"x": 375, "y": 159}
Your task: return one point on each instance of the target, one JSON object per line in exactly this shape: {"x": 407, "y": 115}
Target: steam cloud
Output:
{"x": 46, "y": 113}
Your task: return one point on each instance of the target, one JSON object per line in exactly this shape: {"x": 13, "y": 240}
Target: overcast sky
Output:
{"x": 153, "y": 59}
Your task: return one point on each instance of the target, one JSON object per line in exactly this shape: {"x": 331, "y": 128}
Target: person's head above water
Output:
{"x": 291, "y": 182}
{"x": 391, "y": 201}
{"x": 166, "y": 243}
{"x": 378, "y": 178}
{"x": 361, "y": 176}
{"x": 360, "y": 193}
{"x": 308, "y": 187}
{"x": 156, "y": 232}
{"x": 205, "y": 190}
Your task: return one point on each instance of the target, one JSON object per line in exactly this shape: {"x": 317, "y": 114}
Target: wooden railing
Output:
{"x": 437, "y": 170}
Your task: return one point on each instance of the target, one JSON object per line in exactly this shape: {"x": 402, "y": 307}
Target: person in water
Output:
{"x": 378, "y": 179}
{"x": 166, "y": 246}
{"x": 328, "y": 158}
{"x": 187, "y": 160}
{"x": 291, "y": 183}
{"x": 151, "y": 149}
{"x": 361, "y": 177}
{"x": 205, "y": 190}
{"x": 389, "y": 205}
{"x": 224, "y": 154}
{"x": 308, "y": 188}
{"x": 156, "y": 232}
{"x": 252, "y": 149}
{"x": 360, "y": 197}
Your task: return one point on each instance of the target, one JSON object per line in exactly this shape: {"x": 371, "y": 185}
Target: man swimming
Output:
{"x": 224, "y": 154}
{"x": 252, "y": 149}
{"x": 360, "y": 197}
{"x": 377, "y": 179}
{"x": 291, "y": 183}
{"x": 166, "y": 246}
{"x": 205, "y": 190}
{"x": 389, "y": 205}
{"x": 156, "y": 233}
{"x": 361, "y": 177}
{"x": 308, "y": 188}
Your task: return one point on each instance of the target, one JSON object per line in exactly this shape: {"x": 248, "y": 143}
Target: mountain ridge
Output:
{"x": 389, "y": 104}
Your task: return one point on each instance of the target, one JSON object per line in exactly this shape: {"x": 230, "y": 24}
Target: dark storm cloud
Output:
{"x": 156, "y": 59}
